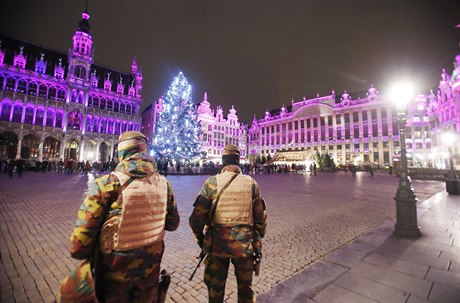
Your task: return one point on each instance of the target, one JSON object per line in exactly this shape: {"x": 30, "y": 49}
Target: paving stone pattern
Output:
{"x": 309, "y": 217}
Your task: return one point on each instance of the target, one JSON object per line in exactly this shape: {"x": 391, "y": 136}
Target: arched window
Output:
{"x": 81, "y": 98}
{"x": 50, "y": 148}
{"x": 117, "y": 127}
{"x": 39, "y": 116}
{"x": 89, "y": 123}
{"x": 123, "y": 126}
{"x": 102, "y": 104}
{"x": 61, "y": 94}
{"x": 103, "y": 125}
{"x": 32, "y": 89}
{"x": 30, "y": 147}
{"x": 42, "y": 91}
{"x": 116, "y": 106}
{"x": 80, "y": 72}
{"x": 74, "y": 120}
{"x": 6, "y": 110}
{"x": 29, "y": 116}
{"x": 110, "y": 127}
{"x": 10, "y": 83}
{"x": 17, "y": 113}
{"x": 109, "y": 104}
{"x": 90, "y": 101}
{"x": 73, "y": 97}
{"x": 49, "y": 117}
{"x": 52, "y": 93}
{"x": 22, "y": 86}
{"x": 59, "y": 117}
{"x": 122, "y": 107}
{"x": 96, "y": 124}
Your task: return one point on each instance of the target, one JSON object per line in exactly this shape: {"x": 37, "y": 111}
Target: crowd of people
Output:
{"x": 19, "y": 166}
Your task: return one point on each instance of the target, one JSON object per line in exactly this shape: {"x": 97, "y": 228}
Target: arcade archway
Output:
{"x": 30, "y": 148}
{"x": 51, "y": 148}
{"x": 8, "y": 145}
{"x": 72, "y": 148}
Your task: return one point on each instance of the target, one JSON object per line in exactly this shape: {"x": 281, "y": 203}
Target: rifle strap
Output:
{"x": 214, "y": 207}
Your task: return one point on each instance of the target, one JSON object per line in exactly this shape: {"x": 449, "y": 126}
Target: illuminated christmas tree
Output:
{"x": 177, "y": 130}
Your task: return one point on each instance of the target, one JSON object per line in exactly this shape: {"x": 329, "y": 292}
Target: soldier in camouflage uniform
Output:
{"x": 236, "y": 229}
{"x": 132, "y": 247}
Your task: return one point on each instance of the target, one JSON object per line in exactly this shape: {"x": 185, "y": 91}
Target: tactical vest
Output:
{"x": 235, "y": 205}
{"x": 142, "y": 220}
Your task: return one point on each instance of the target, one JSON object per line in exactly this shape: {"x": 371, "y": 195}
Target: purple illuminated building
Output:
{"x": 444, "y": 111}
{"x": 358, "y": 128}
{"x": 63, "y": 106}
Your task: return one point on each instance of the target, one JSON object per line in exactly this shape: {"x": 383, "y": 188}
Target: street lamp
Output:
{"x": 452, "y": 181}
{"x": 406, "y": 201}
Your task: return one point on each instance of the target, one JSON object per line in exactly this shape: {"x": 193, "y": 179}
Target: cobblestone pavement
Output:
{"x": 309, "y": 217}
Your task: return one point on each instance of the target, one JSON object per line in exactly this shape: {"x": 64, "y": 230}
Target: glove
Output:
{"x": 200, "y": 243}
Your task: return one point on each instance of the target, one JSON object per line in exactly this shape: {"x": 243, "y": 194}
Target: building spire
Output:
{"x": 134, "y": 68}
{"x": 83, "y": 25}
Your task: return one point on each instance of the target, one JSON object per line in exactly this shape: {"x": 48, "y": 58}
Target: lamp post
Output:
{"x": 406, "y": 201}
{"x": 452, "y": 181}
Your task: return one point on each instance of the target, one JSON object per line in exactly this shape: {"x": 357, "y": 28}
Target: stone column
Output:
{"x": 111, "y": 149}
{"x": 62, "y": 149}
{"x": 83, "y": 124}
{"x": 18, "y": 151}
{"x": 64, "y": 120}
{"x": 23, "y": 115}
{"x": 45, "y": 114}
{"x": 98, "y": 145}
{"x": 82, "y": 150}
{"x": 11, "y": 112}
{"x": 35, "y": 113}
{"x": 40, "y": 150}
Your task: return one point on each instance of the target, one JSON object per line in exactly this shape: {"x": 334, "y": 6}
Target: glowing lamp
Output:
{"x": 401, "y": 93}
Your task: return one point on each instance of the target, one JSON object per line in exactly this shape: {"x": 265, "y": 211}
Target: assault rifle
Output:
{"x": 200, "y": 257}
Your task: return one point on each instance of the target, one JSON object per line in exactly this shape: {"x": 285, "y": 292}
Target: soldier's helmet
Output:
{"x": 230, "y": 155}
{"x": 231, "y": 149}
{"x": 130, "y": 143}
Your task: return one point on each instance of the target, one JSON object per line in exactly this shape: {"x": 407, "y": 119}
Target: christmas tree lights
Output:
{"x": 177, "y": 131}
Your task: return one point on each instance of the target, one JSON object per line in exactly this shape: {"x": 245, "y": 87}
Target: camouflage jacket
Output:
{"x": 104, "y": 200}
{"x": 225, "y": 240}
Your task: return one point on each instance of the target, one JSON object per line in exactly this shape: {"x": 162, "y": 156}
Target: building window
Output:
{"x": 80, "y": 72}
{"x": 374, "y": 114}
{"x": 10, "y": 84}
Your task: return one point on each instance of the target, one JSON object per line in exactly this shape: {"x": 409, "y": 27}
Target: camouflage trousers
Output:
{"x": 215, "y": 277}
{"x": 143, "y": 290}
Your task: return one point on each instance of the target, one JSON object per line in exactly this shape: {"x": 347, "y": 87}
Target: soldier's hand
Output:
{"x": 200, "y": 244}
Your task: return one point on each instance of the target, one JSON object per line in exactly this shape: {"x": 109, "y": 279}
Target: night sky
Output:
{"x": 255, "y": 55}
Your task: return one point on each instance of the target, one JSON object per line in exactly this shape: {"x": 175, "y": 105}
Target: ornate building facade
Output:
{"x": 351, "y": 129}
{"x": 63, "y": 106}
{"x": 218, "y": 131}
{"x": 444, "y": 111}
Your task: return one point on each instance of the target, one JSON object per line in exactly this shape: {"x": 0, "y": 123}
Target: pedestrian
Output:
{"x": 20, "y": 166}
{"x": 390, "y": 170}
{"x": 60, "y": 166}
{"x": 87, "y": 167}
{"x": 314, "y": 169}
{"x": 131, "y": 208}
{"x": 11, "y": 165}
{"x": 370, "y": 171}
{"x": 44, "y": 166}
{"x": 234, "y": 224}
